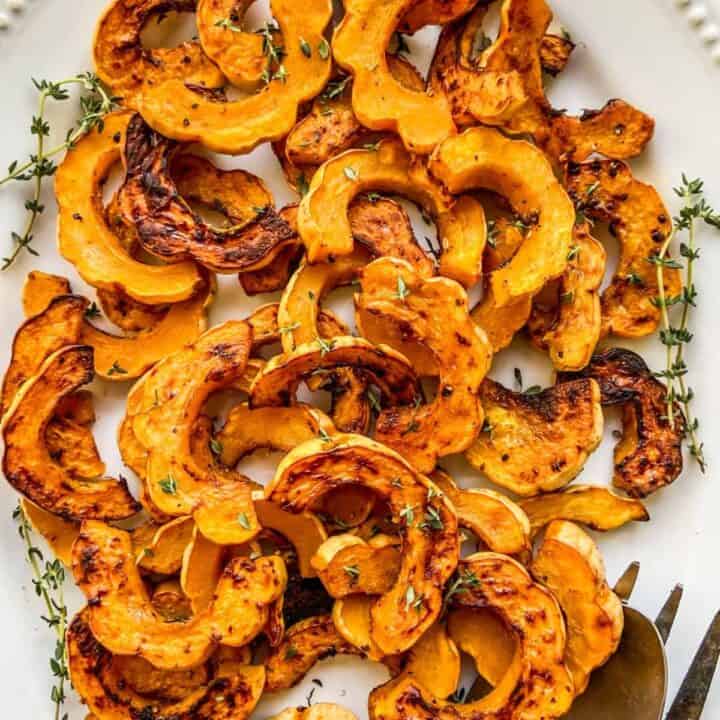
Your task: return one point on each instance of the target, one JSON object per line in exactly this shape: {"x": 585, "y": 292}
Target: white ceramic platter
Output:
{"x": 664, "y": 57}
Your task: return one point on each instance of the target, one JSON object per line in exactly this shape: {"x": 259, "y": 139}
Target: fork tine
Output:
{"x": 690, "y": 701}
{"x": 666, "y": 618}
{"x": 626, "y": 584}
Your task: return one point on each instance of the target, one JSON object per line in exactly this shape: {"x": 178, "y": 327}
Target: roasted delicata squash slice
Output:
{"x": 239, "y": 54}
{"x": 483, "y": 158}
{"x": 120, "y": 688}
{"x": 319, "y": 711}
{"x": 128, "y": 314}
{"x": 277, "y": 383}
{"x": 494, "y": 519}
{"x": 597, "y": 507}
{"x": 122, "y": 618}
{"x": 570, "y": 565}
{"x": 331, "y": 125}
{"x": 649, "y": 454}
{"x": 537, "y": 683}
{"x": 434, "y": 313}
{"x": 164, "y": 553}
{"x": 55, "y": 327}
{"x": 122, "y": 62}
{"x": 168, "y": 227}
{"x": 305, "y": 643}
{"x": 165, "y": 410}
{"x": 606, "y": 191}
{"x": 40, "y": 289}
{"x": 389, "y": 167}
{"x": 87, "y": 241}
{"x": 502, "y": 84}
{"x": 435, "y": 12}
{"x": 171, "y": 602}
{"x": 379, "y": 101}
{"x": 27, "y": 463}
{"x": 237, "y": 126}
{"x": 533, "y": 443}
{"x": 569, "y": 327}
{"x": 347, "y": 564}
{"x": 428, "y": 526}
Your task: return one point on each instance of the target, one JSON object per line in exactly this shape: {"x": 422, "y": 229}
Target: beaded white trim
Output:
{"x": 704, "y": 21}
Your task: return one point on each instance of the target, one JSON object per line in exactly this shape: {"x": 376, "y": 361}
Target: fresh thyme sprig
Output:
{"x": 48, "y": 579}
{"x": 676, "y": 337}
{"x": 274, "y": 54}
{"x": 94, "y": 106}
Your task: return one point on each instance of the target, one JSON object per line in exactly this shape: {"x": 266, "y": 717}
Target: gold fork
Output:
{"x": 633, "y": 684}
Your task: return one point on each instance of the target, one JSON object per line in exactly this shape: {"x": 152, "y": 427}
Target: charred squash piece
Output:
{"x": 331, "y": 125}
{"x": 491, "y": 517}
{"x": 379, "y": 101}
{"x": 171, "y": 603}
{"x": 122, "y": 62}
{"x": 346, "y": 564}
{"x": 570, "y": 327}
{"x": 101, "y": 679}
{"x": 596, "y": 507}
{"x": 305, "y": 643}
{"x": 433, "y": 313}
{"x": 165, "y": 409}
{"x": 57, "y": 326}
{"x": 502, "y": 85}
{"x": 122, "y": 618}
{"x": 87, "y": 241}
{"x": 274, "y": 276}
{"x": 277, "y": 384}
{"x": 569, "y": 564}
{"x": 537, "y": 442}
{"x": 606, "y": 191}
{"x": 128, "y": 314}
{"x": 649, "y": 455}
{"x": 483, "y": 158}
{"x": 537, "y": 683}
{"x": 168, "y": 228}
{"x": 428, "y": 525}
{"x": 391, "y": 168}
{"x": 236, "y": 127}
{"x": 27, "y": 463}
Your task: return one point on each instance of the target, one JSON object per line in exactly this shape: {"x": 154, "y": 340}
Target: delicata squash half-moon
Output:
{"x": 434, "y": 313}
{"x": 391, "y": 168}
{"x": 379, "y": 101}
{"x": 434, "y": 12}
{"x": 649, "y": 454}
{"x": 165, "y": 409}
{"x": 570, "y": 565}
{"x": 537, "y": 683}
{"x": 277, "y": 383}
{"x": 87, "y": 241}
{"x": 483, "y": 158}
{"x": 121, "y": 616}
{"x": 114, "y": 689}
{"x": 27, "y": 463}
{"x": 428, "y": 526}
{"x": 569, "y": 327}
{"x": 493, "y": 518}
{"x": 606, "y": 191}
{"x": 597, "y": 507}
{"x": 167, "y": 226}
{"x": 537, "y": 442}
{"x": 237, "y": 126}
{"x": 127, "y": 67}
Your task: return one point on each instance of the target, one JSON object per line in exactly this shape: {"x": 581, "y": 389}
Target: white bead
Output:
{"x": 697, "y": 16}
{"x": 711, "y": 34}
{"x": 4, "y": 21}
{"x": 16, "y": 5}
